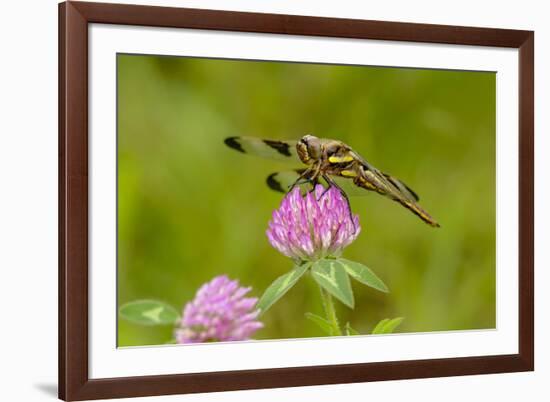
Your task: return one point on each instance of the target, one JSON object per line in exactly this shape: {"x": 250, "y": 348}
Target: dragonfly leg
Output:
{"x": 314, "y": 181}
{"x": 302, "y": 179}
{"x": 310, "y": 175}
{"x": 332, "y": 183}
{"x": 298, "y": 183}
{"x": 324, "y": 191}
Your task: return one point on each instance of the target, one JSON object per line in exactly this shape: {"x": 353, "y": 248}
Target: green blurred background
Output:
{"x": 189, "y": 208}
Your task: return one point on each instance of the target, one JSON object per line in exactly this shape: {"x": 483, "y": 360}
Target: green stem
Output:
{"x": 330, "y": 311}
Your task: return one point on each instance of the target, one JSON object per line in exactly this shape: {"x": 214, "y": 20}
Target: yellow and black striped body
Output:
{"x": 332, "y": 162}
{"x": 338, "y": 159}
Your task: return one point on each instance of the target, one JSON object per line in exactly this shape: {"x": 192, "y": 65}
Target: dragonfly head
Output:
{"x": 309, "y": 149}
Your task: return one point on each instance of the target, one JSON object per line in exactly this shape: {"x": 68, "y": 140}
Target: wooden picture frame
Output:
{"x": 74, "y": 381}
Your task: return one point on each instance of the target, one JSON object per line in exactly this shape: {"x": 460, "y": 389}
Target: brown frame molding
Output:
{"x": 74, "y": 17}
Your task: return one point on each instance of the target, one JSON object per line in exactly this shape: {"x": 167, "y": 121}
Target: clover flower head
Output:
{"x": 313, "y": 226}
{"x": 219, "y": 312}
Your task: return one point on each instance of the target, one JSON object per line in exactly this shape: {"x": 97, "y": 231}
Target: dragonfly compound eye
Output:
{"x": 313, "y": 146}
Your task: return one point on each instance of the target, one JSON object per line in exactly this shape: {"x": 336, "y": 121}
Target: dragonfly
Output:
{"x": 331, "y": 163}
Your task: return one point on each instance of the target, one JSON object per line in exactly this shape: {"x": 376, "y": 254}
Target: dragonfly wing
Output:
{"x": 402, "y": 187}
{"x": 281, "y": 181}
{"x": 397, "y": 191}
{"x": 284, "y": 150}
{"x": 396, "y": 187}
